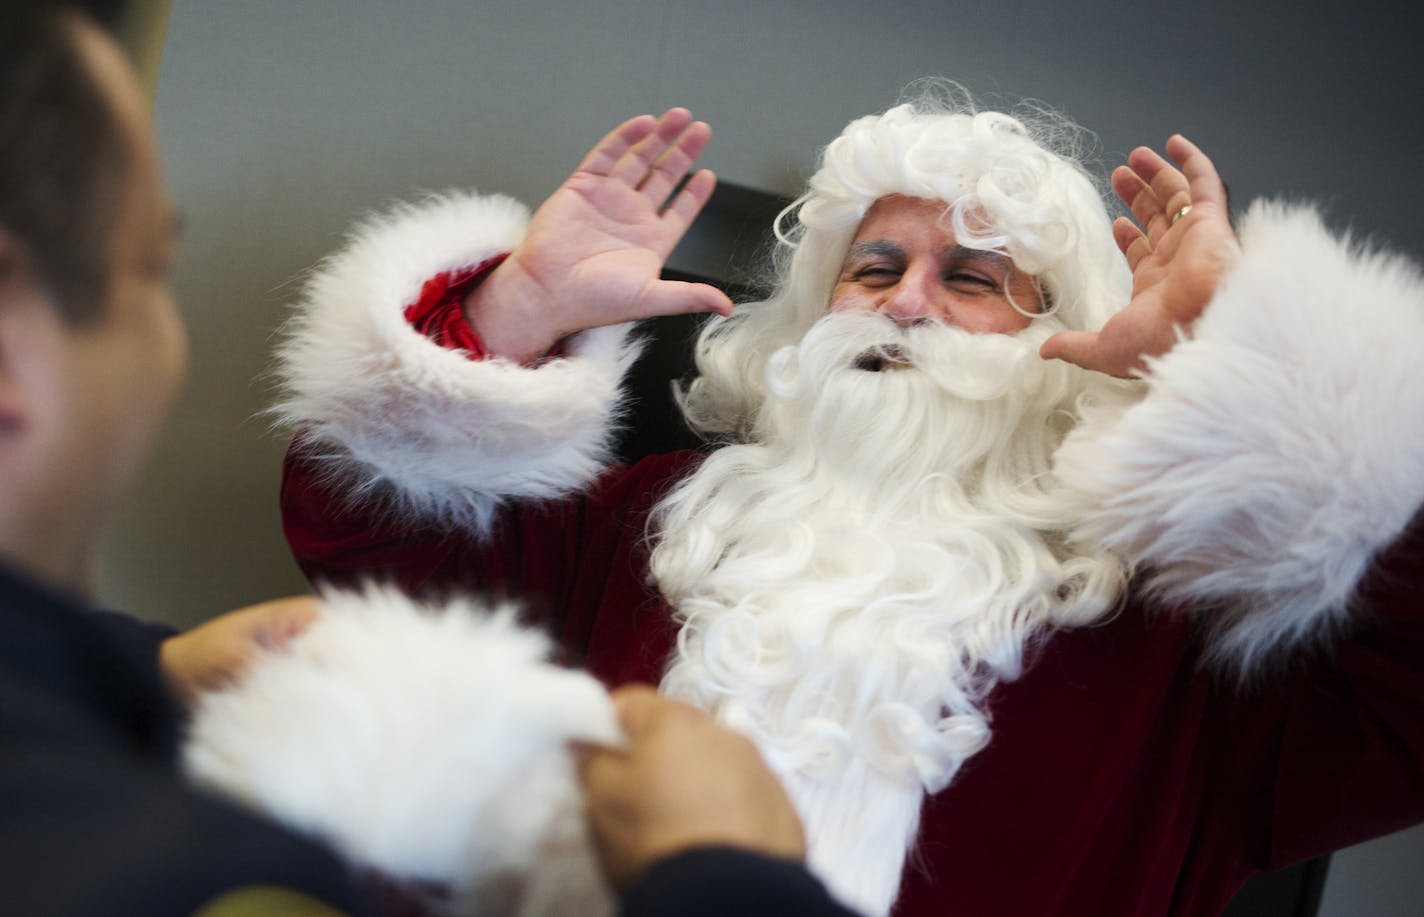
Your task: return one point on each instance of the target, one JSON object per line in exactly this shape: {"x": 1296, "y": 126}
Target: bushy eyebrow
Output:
{"x": 877, "y": 248}
{"x": 884, "y": 248}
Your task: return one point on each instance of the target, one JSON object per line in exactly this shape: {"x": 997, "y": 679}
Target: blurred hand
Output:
{"x": 594, "y": 250}
{"x": 682, "y": 782}
{"x": 216, "y": 652}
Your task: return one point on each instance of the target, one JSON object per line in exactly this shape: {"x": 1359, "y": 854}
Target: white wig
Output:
{"x": 1006, "y": 189}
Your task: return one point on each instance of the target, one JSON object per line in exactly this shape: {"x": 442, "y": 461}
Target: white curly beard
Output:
{"x": 851, "y": 585}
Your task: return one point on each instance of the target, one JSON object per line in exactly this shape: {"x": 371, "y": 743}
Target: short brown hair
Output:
{"x": 61, "y": 152}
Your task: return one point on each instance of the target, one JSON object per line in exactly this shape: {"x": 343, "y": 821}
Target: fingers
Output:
{"x": 1203, "y": 182}
{"x": 1168, "y": 184}
{"x": 1077, "y": 347}
{"x": 637, "y": 706}
{"x": 659, "y": 159}
{"x": 595, "y": 763}
{"x": 219, "y": 650}
{"x": 1152, "y": 189}
{"x": 671, "y": 165}
{"x": 1130, "y": 241}
{"x": 641, "y": 712}
{"x": 688, "y": 203}
{"x": 632, "y": 149}
{"x": 279, "y": 621}
{"x": 652, "y": 156}
{"x": 676, "y": 297}
{"x": 607, "y": 152}
{"x": 1133, "y": 191}
{"x": 1160, "y": 194}
{"x": 683, "y": 782}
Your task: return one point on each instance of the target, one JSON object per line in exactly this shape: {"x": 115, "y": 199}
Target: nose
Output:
{"x": 908, "y": 302}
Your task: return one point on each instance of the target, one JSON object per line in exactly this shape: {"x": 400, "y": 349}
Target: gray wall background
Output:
{"x": 282, "y": 121}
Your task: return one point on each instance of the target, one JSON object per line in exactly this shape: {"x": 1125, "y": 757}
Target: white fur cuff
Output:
{"x": 429, "y": 745}
{"x": 1277, "y": 450}
{"x": 447, "y": 436}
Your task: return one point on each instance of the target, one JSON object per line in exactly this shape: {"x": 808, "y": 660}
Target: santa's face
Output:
{"x": 905, "y": 263}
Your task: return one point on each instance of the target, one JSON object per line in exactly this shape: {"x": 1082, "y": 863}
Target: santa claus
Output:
{"x": 1057, "y": 565}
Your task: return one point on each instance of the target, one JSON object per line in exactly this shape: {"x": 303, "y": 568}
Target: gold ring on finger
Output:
{"x": 1186, "y": 209}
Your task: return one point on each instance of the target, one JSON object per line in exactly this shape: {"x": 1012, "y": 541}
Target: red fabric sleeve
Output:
{"x": 438, "y": 312}
{"x": 552, "y": 558}
{"x": 339, "y": 539}
{"x": 1337, "y": 741}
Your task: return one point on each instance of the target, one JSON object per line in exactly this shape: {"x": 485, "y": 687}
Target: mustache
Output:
{"x": 869, "y": 346}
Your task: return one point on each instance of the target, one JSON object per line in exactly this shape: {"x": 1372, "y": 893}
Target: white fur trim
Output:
{"x": 444, "y": 437}
{"x": 428, "y": 744}
{"x": 1279, "y": 448}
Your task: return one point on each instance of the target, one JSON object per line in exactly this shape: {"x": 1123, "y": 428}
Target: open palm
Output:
{"x": 1179, "y": 249}
{"x": 594, "y": 250}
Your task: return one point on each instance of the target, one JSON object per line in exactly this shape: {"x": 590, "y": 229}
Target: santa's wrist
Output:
{"x": 499, "y": 311}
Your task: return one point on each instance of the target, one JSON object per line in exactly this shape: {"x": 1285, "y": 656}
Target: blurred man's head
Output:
{"x": 91, "y": 346}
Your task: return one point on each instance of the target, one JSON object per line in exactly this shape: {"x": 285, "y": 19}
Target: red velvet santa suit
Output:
{"x": 1124, "y": 776}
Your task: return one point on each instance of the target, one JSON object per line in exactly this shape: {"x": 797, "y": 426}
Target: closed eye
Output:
{"x": 960, "y": 277}
{"x": 876, "y": 272}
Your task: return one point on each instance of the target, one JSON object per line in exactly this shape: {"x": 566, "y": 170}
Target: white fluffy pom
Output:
{"x": 428, "y": 744}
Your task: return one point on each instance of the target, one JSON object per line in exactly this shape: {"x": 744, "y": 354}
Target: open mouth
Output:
{"x": 882, "y": 359}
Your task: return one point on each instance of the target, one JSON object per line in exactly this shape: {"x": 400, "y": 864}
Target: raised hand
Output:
{"x": 1179, "y": 249}
{"x": 594, "y": 249}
